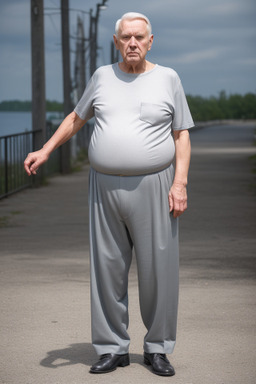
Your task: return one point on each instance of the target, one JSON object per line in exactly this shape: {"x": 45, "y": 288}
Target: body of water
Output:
{"x": 17, "y": 122}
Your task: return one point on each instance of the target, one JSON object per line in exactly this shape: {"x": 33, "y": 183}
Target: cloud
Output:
{"x": 224, "y": 9}
{"x": 247, "y": 62}
{"x": 198, "y": 56}
{"x": 15, "y": 20}
{"x": 210, "y": 44}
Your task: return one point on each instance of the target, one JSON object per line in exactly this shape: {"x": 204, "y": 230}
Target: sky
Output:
{"x": 210, "y": 43}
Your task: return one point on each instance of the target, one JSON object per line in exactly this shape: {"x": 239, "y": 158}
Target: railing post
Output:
{"x": 6, "y": 165}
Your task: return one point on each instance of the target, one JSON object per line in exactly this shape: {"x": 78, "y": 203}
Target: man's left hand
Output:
{"x": 178, "y": 199}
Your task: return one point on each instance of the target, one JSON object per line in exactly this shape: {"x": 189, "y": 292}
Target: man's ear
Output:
{"x": 116, "y": 42}
{"x": 150, "y": 42}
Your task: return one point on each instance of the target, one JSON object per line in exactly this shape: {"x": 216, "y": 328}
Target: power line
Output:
{"x": 52, "y": 22}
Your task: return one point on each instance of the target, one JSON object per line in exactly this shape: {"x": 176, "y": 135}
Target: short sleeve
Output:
{"x": 84, "y": 108}
{"x": 182, "y": 116}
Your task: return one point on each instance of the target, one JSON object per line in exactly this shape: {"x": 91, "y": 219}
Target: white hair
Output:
{"x": 132, "y": 16}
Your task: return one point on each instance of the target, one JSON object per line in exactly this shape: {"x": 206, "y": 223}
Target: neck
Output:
{"x": 136, "y": 68}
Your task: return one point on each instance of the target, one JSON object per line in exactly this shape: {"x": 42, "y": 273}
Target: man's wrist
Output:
{"x": 180, "y": 182}
{"x": 47, "y": 149}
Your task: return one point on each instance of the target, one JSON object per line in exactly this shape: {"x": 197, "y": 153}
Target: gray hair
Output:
{"x": 132, "y": 16}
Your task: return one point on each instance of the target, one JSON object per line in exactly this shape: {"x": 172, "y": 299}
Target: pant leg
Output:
{"x": 111, "y": 252}
{"x": 154, "y": 233}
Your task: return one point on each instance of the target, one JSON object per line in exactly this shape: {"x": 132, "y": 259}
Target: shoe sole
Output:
{"x": 147, "y": 362}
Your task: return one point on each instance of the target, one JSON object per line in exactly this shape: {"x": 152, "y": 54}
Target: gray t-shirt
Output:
{"x": 134, "y": 117}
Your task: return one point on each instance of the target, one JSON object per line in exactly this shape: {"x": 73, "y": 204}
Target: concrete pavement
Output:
{"x": 44, "y": 276}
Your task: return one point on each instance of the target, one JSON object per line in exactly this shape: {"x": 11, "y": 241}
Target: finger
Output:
{"x": 178, "y": 208}
{"x": 27, "y": 170}
{"x": 34, "y": 167}
{"x": 176, "y": 213}
{"x": 28, "y": 163}
{"x": 177, "y": 205}
{"x": 170, "y": 198}
{"x": 27, "y": 167}
{"x": 31, "y": 165}
{"x": 179, "y": 211}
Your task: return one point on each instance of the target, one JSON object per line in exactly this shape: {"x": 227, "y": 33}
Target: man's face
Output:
{"x": 133, "y": 41}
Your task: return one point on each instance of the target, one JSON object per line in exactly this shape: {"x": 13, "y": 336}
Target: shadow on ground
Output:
{"x": 80, "y": 353}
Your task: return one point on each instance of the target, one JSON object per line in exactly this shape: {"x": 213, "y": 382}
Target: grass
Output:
{"x": 253, "y": 161}
{"x": 82, "y": 158}
{"x": 4, "y": 222}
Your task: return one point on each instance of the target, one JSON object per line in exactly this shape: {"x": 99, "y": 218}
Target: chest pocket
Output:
{"x": 154, "y": 114}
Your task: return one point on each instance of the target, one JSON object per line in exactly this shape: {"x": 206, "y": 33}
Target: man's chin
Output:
{"x": 133, "y": 59}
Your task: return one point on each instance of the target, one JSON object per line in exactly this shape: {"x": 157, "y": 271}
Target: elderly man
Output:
{"x": 135, "y": 197}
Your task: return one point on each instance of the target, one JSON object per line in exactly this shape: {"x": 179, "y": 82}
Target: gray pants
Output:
{"x": 127, "y": 212}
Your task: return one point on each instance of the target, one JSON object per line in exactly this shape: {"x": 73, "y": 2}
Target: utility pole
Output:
{"x": 94, "y": 36}
{"x": 79, "y": 80}
{"x": 38, "y": 78}
{"x": 114, "y": 54}
{"x": 65, "y": 148}
{"x": 80, "y": 74}
{"x": 93, "y": 42}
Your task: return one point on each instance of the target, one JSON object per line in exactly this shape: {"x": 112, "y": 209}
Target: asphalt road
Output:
{"x": 44, "y": 276}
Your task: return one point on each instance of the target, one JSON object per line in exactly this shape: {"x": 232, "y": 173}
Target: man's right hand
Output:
{"x": 34, "y": 160}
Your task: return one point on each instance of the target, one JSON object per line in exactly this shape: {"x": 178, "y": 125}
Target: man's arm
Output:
{"x": 68, "y": 128}
{"x": 178, "y": 191}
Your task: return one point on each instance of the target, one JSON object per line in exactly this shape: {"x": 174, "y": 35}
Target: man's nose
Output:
{"x": 132, "y": 42}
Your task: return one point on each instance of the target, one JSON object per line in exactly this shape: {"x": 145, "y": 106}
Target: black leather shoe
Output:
{"x": 109, "y": 362}
{"x": 160, "y": 364}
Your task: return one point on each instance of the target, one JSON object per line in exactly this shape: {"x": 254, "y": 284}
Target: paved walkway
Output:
{"x": 44, "y": 277}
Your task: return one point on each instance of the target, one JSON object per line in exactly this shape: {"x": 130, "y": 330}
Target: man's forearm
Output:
{"x": 183, "y": 154}
{"x": 68, "y": 128}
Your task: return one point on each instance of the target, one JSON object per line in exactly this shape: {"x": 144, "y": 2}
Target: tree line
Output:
{"x": 26, "y": 106}
{"x": 202, "y": 108}
{"x": 223, "y": 107}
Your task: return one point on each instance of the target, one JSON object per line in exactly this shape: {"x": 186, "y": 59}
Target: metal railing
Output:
{"x": 15, "y": 148}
